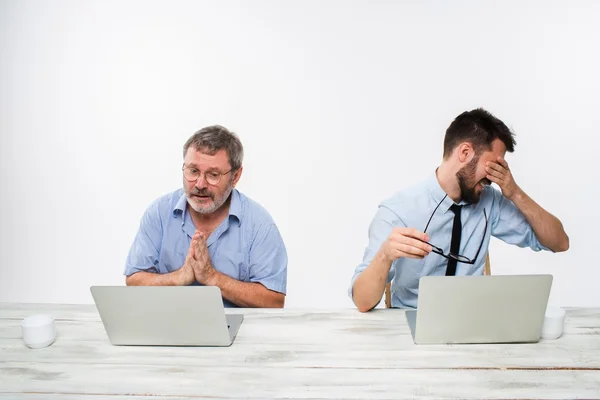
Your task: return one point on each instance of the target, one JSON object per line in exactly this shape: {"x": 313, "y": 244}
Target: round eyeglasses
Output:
{"x": 213, "y": 178}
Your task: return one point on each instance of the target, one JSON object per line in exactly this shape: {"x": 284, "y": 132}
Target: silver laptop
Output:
{"x": 165, "y": 315}
{"x": 480, "y": 309}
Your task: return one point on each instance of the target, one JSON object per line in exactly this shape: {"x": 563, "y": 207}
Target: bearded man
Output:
{"x": 208, "y": 233}
{"x": 443, "y": 225}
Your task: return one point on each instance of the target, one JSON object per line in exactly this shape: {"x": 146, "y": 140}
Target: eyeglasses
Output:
{"x": 212, "y": 178}
{"x": 457, "y": 257}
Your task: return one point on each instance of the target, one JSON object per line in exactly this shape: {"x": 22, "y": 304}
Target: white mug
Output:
{"x": 38, "y": 331}
{"x": 554, "y": 322}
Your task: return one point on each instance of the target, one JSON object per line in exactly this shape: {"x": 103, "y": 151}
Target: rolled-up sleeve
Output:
{"x": 144, "y": 252}
{"x": 511, "y": 226}
{"x": 379, "y": 230}
{"x": 268, "y": 259}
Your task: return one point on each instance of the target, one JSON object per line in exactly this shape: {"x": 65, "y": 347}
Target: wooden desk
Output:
{"x": 295, "y": 354}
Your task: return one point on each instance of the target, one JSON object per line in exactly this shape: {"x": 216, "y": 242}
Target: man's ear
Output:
{"x": 465, "y": 152}
{"x": 237, "y": 175}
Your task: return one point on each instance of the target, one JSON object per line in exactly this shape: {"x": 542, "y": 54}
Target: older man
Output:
{"x": 208, "y": 233}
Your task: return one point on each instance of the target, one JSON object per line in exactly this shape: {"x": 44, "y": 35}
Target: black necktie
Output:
{"x": 455, "y": 243}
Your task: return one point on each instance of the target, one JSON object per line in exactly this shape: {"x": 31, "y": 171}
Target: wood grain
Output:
{"x": 295, "y": 354}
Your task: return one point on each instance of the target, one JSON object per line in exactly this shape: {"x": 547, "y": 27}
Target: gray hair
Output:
{"x": 214, "y": 138}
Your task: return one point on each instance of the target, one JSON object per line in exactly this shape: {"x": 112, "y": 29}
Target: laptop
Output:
{"x": 165, "y": 315}
{"x": 480, "y": 309}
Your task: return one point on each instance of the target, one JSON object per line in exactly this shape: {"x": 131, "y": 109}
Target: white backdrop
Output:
{"x": 338, "y": 103}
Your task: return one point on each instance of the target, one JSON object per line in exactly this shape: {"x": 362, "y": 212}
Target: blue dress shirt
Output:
{"x": 246, "y": 246}
{"x": 413, "y": 207}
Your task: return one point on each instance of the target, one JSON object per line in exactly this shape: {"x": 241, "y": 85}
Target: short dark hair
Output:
{"x": 214, "y": 138}
{"x": 480, "y": 128}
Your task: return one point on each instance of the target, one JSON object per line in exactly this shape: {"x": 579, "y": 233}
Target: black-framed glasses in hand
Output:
{"x": 457, "y": 257}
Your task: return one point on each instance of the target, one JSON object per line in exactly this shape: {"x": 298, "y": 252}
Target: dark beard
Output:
{"x": 467, "y": 188}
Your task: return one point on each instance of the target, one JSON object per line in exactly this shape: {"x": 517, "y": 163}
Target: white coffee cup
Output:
{"x": 554, "y": 323}
{"x": 38, "y": 331}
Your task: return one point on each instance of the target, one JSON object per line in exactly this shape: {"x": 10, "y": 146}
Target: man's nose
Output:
{"x": 201, "y": 182}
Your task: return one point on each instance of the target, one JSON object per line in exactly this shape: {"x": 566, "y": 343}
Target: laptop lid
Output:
{"x": 480, "y": 309}
{"x": 165, "y": 315}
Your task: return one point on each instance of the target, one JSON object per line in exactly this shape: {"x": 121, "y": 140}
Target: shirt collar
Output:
{"x": 235, "y": 207}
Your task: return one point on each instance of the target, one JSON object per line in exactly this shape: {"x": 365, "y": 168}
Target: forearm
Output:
{"x": 152, "y": 279}
{"x": 548, "y": 229}
{"x": 370, "y": 284}
{"x": 247, "y": 294}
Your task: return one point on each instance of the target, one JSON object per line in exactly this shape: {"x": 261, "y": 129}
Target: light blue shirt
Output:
{"x": 413, "y": 207}
{"x": 246, "y": 246}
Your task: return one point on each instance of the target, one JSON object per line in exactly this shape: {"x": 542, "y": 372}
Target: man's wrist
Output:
{"x": 382, "y": 257}
{"x": 179, "y": 277}
{"x": 213, "y": 278}
{"x": 517, "y": 196}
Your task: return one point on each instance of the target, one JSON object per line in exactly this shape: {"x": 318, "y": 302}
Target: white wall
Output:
{"x": 338, "y": 103}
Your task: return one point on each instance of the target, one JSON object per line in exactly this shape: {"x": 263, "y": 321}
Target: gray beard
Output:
{"x": 217, "y": 203}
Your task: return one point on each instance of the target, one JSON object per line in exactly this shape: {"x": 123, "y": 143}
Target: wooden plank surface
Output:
{"x": 297, "y": 383}
{"x": 303, "y": 354}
